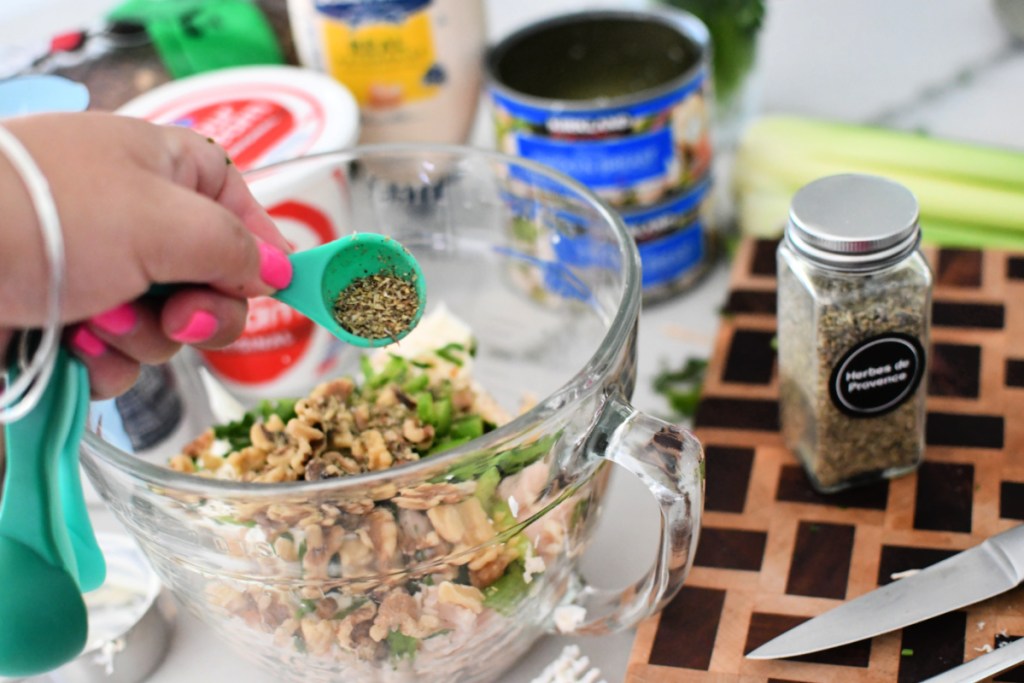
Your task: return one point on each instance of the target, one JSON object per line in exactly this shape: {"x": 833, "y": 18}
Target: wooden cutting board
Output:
{"x": 773, "y": 552}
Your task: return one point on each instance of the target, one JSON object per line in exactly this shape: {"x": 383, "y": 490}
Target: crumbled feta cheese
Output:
{"x": 534, "y": 565}
{"x": 513, "y": 506}
{"x": 220, "y": 447}
{"x": 432, "y": 332}
{"x": 569, "y": 617}
{"x": 571, "y": 666}
{"x": 904, "y": 574}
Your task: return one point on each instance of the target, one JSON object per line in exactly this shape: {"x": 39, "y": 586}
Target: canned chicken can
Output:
{"x": 618, "y": 100}
{"x": 674, "y": 240}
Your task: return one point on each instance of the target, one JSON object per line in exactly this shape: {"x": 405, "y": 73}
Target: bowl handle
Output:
{"x": 670, "y": 462}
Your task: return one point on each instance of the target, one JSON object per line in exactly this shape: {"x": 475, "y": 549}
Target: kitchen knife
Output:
{"x": 980, "y": 668}
{"x": 992, "y": 567}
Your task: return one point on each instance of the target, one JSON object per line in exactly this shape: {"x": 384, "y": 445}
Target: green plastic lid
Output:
{"x": 193, "y": 36}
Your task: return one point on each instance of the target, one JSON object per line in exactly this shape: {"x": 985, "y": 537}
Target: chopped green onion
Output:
{"x": 305, "y": 607}
{"x": 228, "y": 519}
{"x": 442, "y": 416}
{"x": 518, "y": 459}
{"x": 470, "y": 427}
{"x": 416, "y": 383}
{"x": 356, "y": 604}
{"x": 401, "y": 645}
{"x": 486, "y": 485}
{"x": 392, "y": 372}
{"x": 425, "y": 407}
{"x": 237, "y": 433}
{"x": 447, "y": 444}
{"x": 447, "y": 350}
{"x": 504, "y": 594}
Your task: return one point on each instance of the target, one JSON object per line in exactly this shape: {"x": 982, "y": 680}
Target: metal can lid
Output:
{"x": 854, "y": 221}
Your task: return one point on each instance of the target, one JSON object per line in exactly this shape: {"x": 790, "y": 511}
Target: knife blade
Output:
{"x": 980, "y": 668}
{"x": 992, "y": 567}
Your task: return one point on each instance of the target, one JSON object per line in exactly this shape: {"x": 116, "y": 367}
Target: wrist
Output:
{"x": 23, "y": 260}
{"x": 20, "y": 396}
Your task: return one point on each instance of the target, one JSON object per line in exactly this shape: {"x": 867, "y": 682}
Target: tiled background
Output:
{"x": 773, "y": 552}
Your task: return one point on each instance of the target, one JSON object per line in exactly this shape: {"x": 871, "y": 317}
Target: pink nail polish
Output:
{"x": 275, "y": 268}
{"x": 120, "y": 320}
{"x": 199, "y": 328}
{"x": 86, "y": 343}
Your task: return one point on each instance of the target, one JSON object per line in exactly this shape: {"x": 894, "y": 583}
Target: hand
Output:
{"x": 139, "y": 204}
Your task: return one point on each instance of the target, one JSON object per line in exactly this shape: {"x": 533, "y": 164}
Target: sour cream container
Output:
{"x": 619, "y": 100}
{"x": 263, "y": 115}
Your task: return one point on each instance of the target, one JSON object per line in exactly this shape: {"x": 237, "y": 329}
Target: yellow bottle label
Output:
{"x": 385, "y": 64}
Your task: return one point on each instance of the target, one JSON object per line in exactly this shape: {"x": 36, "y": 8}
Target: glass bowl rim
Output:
{"x": 615, "y": 338}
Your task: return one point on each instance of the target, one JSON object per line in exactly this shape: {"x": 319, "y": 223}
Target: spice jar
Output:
{"x": 854, "y": 302}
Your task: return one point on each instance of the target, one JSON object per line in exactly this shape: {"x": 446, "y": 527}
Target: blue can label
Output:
{"x": 629, "y": 155}
{"x": 671, "y": 257}
{"x": 605, "y": 165}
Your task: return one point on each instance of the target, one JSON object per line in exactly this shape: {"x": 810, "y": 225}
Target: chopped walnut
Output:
{"x": 464, "y": 596}
{"x": 318, "y": 634}
{"x": 426, "y": 496}
{"x": 400, "y": 611}
{"x": 384, "y": 537}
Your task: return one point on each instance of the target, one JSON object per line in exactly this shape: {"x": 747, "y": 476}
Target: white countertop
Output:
{"x": 945, "y": 66}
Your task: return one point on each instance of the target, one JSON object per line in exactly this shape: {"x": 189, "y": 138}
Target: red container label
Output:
{"x": 275, "y": 335}
{"x": 246, "y": 129}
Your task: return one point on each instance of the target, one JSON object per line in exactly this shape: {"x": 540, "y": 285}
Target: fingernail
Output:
{"x": 275, "y": 268}
{"x": 117, "y": 321}
{"x": 199, "y": 328}
{"x": 86, "y": 343}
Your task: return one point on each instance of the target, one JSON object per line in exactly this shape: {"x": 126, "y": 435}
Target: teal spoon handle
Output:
{"x": 92, "y": 568}
{"x": 30, "y": 511}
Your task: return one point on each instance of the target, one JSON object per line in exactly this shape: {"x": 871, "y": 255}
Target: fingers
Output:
{"x": 114, "y": 343}
{"x": 111, "y": 373}
{"x": 203, "y": 318}
{"x": 209, "y": 244}
{"x": 204, "y": 166}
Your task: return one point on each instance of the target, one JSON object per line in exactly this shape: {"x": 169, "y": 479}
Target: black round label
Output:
{"x": 877, "y": 375}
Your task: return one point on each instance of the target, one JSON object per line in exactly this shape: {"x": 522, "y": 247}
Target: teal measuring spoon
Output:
{"x": 43, "y": 618}
{"x": 320, "y": 274}
{"x": 91, "y": 567}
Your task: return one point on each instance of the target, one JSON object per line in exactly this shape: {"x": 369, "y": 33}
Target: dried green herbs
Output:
{"x": 817, "y": 331}
{"x": 377, "y": 306}
{"x": 854, "y": 303}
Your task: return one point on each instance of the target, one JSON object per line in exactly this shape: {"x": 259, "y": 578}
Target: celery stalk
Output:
{"x": 970, "y": 195}
{"x": 887, "y": 149}
{"x": 936, "y": 232}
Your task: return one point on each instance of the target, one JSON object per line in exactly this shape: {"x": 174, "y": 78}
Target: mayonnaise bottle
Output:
{"x": 414, "y": 66}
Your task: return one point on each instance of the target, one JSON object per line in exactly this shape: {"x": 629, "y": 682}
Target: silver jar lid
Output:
{"x": 853, "y": 221}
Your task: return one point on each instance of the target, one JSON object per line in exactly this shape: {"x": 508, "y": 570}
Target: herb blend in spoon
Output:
{"x": 377, "y": 306}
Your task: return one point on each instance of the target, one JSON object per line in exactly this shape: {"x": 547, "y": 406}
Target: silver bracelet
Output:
{"x": 21, "y": 393}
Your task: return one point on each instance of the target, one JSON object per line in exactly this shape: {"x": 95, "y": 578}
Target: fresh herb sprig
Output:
{"x": 682, "y": 387}
{"x": 237, "y": 433}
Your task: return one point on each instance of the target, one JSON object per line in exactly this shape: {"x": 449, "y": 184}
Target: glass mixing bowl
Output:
{"x": 447, "y": 568}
